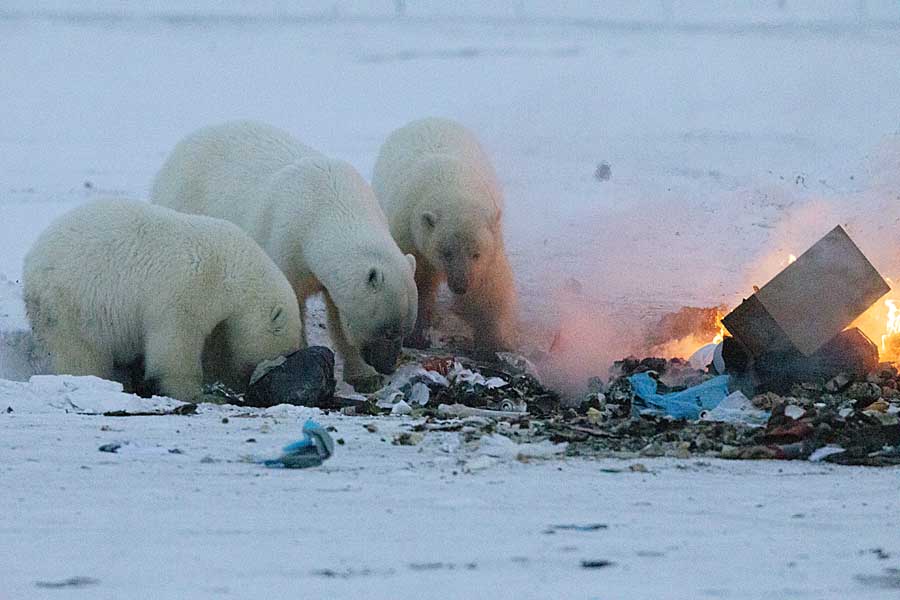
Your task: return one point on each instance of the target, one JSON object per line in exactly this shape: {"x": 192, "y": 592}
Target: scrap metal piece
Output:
{"x": 809, "y": 302}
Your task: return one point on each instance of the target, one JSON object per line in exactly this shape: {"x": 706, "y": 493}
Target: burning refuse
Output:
{"x": 890, "y": 341}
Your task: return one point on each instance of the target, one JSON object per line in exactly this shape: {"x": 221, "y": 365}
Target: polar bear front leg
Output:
{"x": 357, "y": 373}
{"x": 173, "y": 359}
{"x": 427, "y": 281}
{"x": 491, "y": 310}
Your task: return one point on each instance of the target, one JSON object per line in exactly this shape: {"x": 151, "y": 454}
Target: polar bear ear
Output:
{"x": 429, "y": 219}
{"x": 375, "y": 278}
{"x": 412, "y": 261}
{"x": 277, "y": 318}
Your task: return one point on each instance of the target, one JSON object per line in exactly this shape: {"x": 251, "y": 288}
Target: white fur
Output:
{"x": 444, "y": 205}
{"x": 316, "y": 217}
{"x": 114, "y": 282}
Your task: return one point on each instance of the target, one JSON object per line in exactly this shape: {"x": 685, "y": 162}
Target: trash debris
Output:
{"x": 500, "y": 446}
{"x": 791, "y": 313}
{"x": 461, "y": 410}
{"x": 794, "y": 412}
{"x": 570, "y": 527}
{"x": 736, "y": 408}
{"x": 303, "y": 378}
{"x": 686, "y": 404}
{"x": 596, "y": 564}
{"x": 315, "y": 448}
{"x": 419, "y": 394}
{"x": 824, "y": 452}
{"x": 401, "y": 408}
{"x": 71, "y": 582}
{"x": 793, "y": 329}
{"x": 603, "y": 172}
{"x": 407, "y": 438}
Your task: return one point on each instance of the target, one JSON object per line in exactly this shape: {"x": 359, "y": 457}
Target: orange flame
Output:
{"x": 720, "y": 335}
{"x": 889, "y": 343}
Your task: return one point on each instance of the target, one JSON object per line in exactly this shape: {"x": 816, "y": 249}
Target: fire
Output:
{"x": 890, "y": 343}
{"x": 720, "y": 334}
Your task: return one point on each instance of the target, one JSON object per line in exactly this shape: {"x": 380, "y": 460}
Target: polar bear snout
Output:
{"x": 382, "y": 353}
{"x": 458, "y": 281}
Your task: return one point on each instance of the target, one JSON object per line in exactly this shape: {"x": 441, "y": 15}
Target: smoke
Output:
{"x": 590, "y": 334}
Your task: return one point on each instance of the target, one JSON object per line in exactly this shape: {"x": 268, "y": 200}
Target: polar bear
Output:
{"x": 444, "y": 205}
{"x": 317, "y": 219}
{"x": 115, "y": 283}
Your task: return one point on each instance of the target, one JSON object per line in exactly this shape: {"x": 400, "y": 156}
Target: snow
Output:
{"x": 734, "y": 135}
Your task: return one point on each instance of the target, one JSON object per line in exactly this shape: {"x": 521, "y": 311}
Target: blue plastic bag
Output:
{"x": 314, "y": 449}
{"x": 686, "y": 404}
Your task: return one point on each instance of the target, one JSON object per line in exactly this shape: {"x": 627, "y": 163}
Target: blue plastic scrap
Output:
{"x": 314, "y": 449}
{"x": 686, "y": 404}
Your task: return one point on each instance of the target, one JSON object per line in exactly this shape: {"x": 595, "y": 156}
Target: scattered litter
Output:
{"x": 401, "y": 408}
{"x": 460, "y": 410}
{"x": 479, "y": 463}
{"x": 890, "y": 580}
{"x": 685, "y": 404}
{"x": 500, "y": 446}
{"x": 311, "y": 451}
{"x": 603, "y": 172}
{"x": 473, "y": 378}
{"x": 303, "y": 378}
{"x": 569, "y": 527}
{"x": 71, "y": 582}
{"x": 419, "y": 394}
{"x": 794, "y": 412}
{"x": 824, "y": 452}
{"x": 596, "y": 564}
{"x": 408, "y": 438}
{"x": 736, "y": 408}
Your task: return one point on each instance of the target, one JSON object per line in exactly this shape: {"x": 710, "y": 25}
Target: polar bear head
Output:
{"x": 378, "y": 305}
{"x": 265, "y": 326}
{"x": 456, "y": 223}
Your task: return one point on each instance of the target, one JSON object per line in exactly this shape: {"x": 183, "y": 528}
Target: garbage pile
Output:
{"x": 845, "y": 420}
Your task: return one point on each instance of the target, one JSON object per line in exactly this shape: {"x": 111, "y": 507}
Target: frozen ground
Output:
{"x": 732, "y": 141}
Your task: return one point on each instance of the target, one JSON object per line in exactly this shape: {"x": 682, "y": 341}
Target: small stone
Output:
{"x": 603, "y": 172}
{"x": 371, "y": 427}
{"x": 864, "y": 392}
{"x": 837, "y": 383}
{"x": 407, "y": 439}
{"x": 9, "y": 409}
{"x": 224, "y": 419}
{"x": 766, "y": 401}
{"x": 112, "y": 448}
{"x": 637, "y": 468}
{"x": 250, "y": 441}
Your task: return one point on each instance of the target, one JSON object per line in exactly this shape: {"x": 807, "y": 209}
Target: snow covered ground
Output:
{"x": 732, "y": 140}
